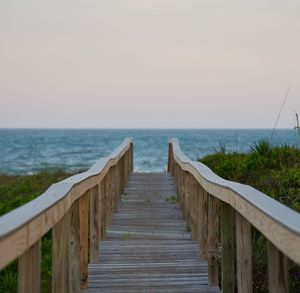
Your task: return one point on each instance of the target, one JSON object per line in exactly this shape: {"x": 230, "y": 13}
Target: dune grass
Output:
{"x": 14, "y": 192}
{"x": 274, "y": 171}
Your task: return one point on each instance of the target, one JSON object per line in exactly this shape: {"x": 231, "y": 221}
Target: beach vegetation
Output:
{"x": 274, "y": 171}
{"x": 14, "y": 192}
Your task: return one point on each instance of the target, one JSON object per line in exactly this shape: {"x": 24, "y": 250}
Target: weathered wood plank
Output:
{"x": 30, "y": 270}
{"x": 84, "y": 238}
{"x": 203, "y": 222}
{"x": 212, "y": 240}
{"x": 94, "y": 221}
{"x": 102, "y": 209}
{"x": 277, "y": 270}
{"x": 228, "y": 248}
{"x": 74, "y": 250}
{"x": 60, "y": 255}
{"x": 147, "y": 247}
{"x": 244, "y": 255}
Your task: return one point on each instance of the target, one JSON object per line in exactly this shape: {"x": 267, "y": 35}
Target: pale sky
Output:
{"x": 154, "y": 63}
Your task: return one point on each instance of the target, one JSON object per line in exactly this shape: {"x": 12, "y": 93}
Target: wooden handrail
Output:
{"x": 66, "y": 207}
{"x": 248, "y": 206}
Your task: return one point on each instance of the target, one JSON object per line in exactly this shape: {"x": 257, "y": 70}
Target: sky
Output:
{"x": 149, "y": 64}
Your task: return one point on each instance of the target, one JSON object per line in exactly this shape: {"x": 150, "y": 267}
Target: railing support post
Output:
{"x": 212, "y": 240}
{"x": 66, "y": 252}
{"x": 194, "y": 208}
{"x": 244, "y": 255}
{"x": 203, "y": 222}
{"x": 187, "y": 200}
{"x": 170, "y": 160}
{"x": 277, "y": 270}
{"x": 30, "y": 270}
{"x": 102, "y": 209}
{"x": 94, "y": 220}
{"x": 84, "y": 238}
{"x": 228, "y": 244}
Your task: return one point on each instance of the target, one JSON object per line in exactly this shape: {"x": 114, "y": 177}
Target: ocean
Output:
{"x": 26, "y": 151}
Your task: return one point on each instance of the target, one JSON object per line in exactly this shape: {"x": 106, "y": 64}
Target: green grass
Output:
{"x": 172, "y": 199}
{"x": 127, "y": 236}
{"x": 14, "y": 192}
{"x": 274, "y": 171}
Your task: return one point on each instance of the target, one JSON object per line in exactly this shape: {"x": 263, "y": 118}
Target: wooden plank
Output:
{"x": 131, "y": 158}
{"x": 228, "y": 248}
{"x": 94, "y": 221}
{"x": 244, "y": 255}
{"x": 194, "y": 208}
{"x": 147, "y": 246}
{"x": 84, "y": 238}
{"x": 74, "y": 250}
{"x": 171, "y": 160}
{"x": 212, "y": 240}
{"x": 187, "y": 202}
{"x": 102, "y": 209}
{"x": 30, "y": 270}
{"x": 109, "y": 197}
{"x": 203, "y": 222}
{"x": 277, "y": 270}
{"x": 60, "y": 255}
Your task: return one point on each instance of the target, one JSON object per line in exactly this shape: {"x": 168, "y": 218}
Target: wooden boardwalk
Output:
{"x": 147, "y": 248}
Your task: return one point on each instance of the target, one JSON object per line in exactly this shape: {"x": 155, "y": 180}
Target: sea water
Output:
{"x": 26, "y": 151}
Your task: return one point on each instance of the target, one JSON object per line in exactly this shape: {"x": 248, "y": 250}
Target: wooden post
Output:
{"x": 108, "y": 196}
{"x": 244, "y": 255}
{"x": 194, "y": 208}
{"x": 131, "y": 158}
{"x": 227, "y": 242}
{"x": 183, "y": 192}
{"x": 66, "y": 252}
{"x": 94, "y": 220}
{"x": 212, "y": 240}
{"x": 102, "y": 209}
{"x": 30, "y": 270}
{"x": 187, "y": 200}
{"x": 74, "y": 249}
{"x": 170, "y": 160}
{"x": 178, "y": 185}
{"x": 84, "y": 239}
{"x": 277, "y": 270}
{"x": 203, "y": 222}
{"x": 60, "y": 255}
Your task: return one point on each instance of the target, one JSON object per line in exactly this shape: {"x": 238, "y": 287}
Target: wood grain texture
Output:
{"x": 277, "y": 270}
{"x": 84, "y": 238}
{"x": 275, "y": 221}
{"x": 228, "y": 248}
{"x": 102, "y": 209}
{"x": 187, "y": 200}
{"x": 60, "y": 255}
{"x": 23, "y": 227}
{"x": 203, "y": 222}
{"x": 147, "y": 248}
{"x": 30, "y": 270}
{"x": 194, "y": 208}
{"x": 74, "y": 250}
{"x": 213, "y": 240}
{"x": 94, "y": 221}
{"x": 243, "y": 255}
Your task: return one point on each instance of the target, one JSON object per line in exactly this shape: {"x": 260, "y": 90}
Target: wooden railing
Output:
{"x": 214, "y": 207}
{"x": 78, "y": 210}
